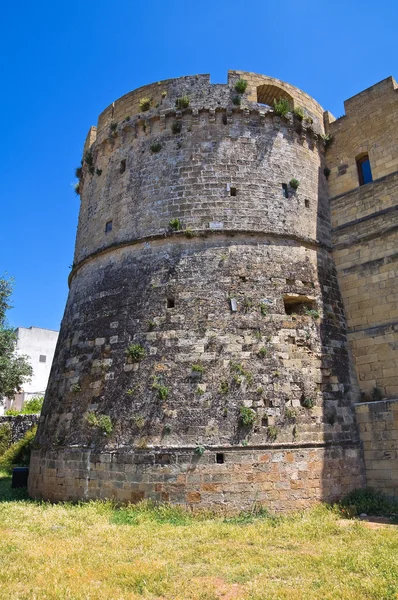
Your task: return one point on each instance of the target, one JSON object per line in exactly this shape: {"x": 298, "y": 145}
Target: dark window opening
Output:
{"x": 264, "y": 422}
{"x": 122, "y": 166}
{"x": 285, "y": 190}
{"x": 364, "y": 170}
{"x": 298, "y": 305}
{"x": 219, "y": 458}
{"x": 108, "y": 227}
{"x": 170, "y": 303}
{"x": 307, "y": 203}
{"x": 232, "y": 191}
{"x": 42, "y": 358}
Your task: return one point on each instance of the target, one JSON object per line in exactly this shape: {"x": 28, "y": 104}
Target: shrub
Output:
{"x": 33, "y": 406}
{"x": 240, "y": 86}
{"x": 156, "y": 147}
{"x": 5, "y": 438}
{"x": 272, "y": 433}
{"x": 79, "y": 172}
{"x": 19, "y": 453}
{"x": 241, "y": 371}
{"x": 236, "y": 100}
{"x": 176, "y": 127}
{"x": 145, "y": 104}
{"x": 281, "y": 107}
{"x": 307, "y": 402}
{"x": 369, "y": 501}
{"x": 182, "y": 102}
{"x": 298, "y": 113}
{"x": 247, "y": 416}
{"x": 263, "y": 352}
{"x": 136, "y": 352}
{"x": 175, "y": 224}
{"x": 294, "y": 183}
{"x": 198, "y": 368}
{"x": 103, "y": 422}
{"x": 199, "y": 449}
{"x": 76, "y": 187}
{"x": 163, "y": 391}
{"x": 327, "y": 140}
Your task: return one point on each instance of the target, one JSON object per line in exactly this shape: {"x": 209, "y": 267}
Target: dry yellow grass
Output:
{"x": 94, "y": 551}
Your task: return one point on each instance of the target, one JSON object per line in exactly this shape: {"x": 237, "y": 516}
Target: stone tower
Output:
{"x": 202, "y": 357}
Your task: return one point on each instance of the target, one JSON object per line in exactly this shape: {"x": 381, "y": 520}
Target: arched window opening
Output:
{"x": 266, "y": 94}
{"x": 364, "y": 169}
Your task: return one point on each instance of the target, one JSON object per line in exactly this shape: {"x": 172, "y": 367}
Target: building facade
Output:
{"x": 203, "y": 356}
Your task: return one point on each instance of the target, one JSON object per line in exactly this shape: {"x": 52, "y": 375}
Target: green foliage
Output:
{"x": 200, "y": 391}
{"x": 176, "y": 127}
{"x": 139, "y": 421}
{"x": 103, "y": 422}
{"x": 182, "y": 102}
{"x": 272, "y": 433}
{"x": 224, "y": 387}
{"x": 281, "y": 107}
{"x": 368, "y": 501}
{"x": 145, "y": 104}
{"x": 164, "y": 94}
{"x": 298, "y": 113}
{"x": 236, "y": 100}
{"x": 76, "y": 388}
{"x": 151, "y": 325}
{"x": 263, "y": 309}
{"x": 327, "y": 140}
{"x": 33, "y": 406}
{"x": 5, "y": 438}
{"x": 15, "y": 370}
{"x": 76, "y": 187}
{"x": 89, "y": 160}
{"x": 307, "y": 402}
{"x": 156, "y": 147}
{"x": 79, "y": 172}
{"x": 240, "y": 86}
{"x": 377, "y": 394}
{"x": 237, "y": 368}
{"x": 326, "y": 172}
{"x": 198, "y": 368}
{"x": 163, "y": 391}
{"x": 294, "y": 183}
{"x": 247, "y": 416}
{"x": 199, "y": 449}
{"x": 263, "y": 352}
{"x": 136, "y": 352}
{"x": 19, "y": 453}
{"x": 290, "y": 414}
{"x": 311, "y": 312}
{"x": 189, "y": 233}
{"x": 175, "y": 224}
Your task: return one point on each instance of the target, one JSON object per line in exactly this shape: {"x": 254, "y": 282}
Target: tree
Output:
{"x": 14, "y": 369}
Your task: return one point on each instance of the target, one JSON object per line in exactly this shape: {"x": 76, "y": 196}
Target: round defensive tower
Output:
{"x": 202, "y": 357}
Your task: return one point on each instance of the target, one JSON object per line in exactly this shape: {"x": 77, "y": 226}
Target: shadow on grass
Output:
{"x": 9, "y": 494}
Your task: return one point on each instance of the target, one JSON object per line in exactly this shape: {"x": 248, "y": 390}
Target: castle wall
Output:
{"x": 238, "y": 311}
{"x": 364, "y": 232}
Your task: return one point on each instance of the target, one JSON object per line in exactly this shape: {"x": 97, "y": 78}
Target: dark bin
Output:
{"x": 19, "y": 477}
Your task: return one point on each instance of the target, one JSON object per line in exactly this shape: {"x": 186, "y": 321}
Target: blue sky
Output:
{"x": 62, "y": 63}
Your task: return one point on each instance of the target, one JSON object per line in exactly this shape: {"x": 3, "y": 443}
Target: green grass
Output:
{"x": 95, "y": 551}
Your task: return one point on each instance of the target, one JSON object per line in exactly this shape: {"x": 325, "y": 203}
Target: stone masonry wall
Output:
{"x": 378, "y": 423}
{"x": 237, "y": 310}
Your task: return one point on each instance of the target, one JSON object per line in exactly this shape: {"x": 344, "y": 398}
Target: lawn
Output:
{"x": 96, "y": 551}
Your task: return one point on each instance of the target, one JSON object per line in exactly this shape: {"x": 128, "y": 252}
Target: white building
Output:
{"x": 39, "y": 345}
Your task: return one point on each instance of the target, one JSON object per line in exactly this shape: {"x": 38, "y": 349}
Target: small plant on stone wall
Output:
{"x": 263, "y": 352}
{"x": 79, "y": 172}
{"x": 156, "y": 147}
{"x": 103, "y": 422}
{"x": 311, "y": 312}
{"x": 272, "y": 433}
{"x": 263, "y": 309}
{"x": 182, "y": 102}
{"x": 240, "y": 86}
{"x": 377, "y": 394}
{"x": 200, "y": 391}
{"x": 294, "y": 183}
{"x": 164, "y": 94}
{"x": 175, "y": 224}
{"x": 189, "y": 233}
{"x": 76, "y": 388}
{"x": 239, "y": 370}
{"x": 307, "y": 402}
{"x": 199, "y": 449}
{"x": 136, "y": 352}
{"x": 327, "y": 140}
{"x": 247, "y": 416}
{"x": 113, "y": 127}
{"x": 281, "y": 107}
{"x": 151, "y": 325}
{"x": 89, "y": 160}
{"x": 139, "y": 421}
{"x": 298, "y": 113}
{"x": 145, "y": 104}
{"x": 76, "y": 187}
{"x": 259, "y": 390}
{"x": 176, "y": 127}
{"x": 247, "y": 305}
{"x": 167, "y": 429}
{"x": 127, "y": 119}
{"x": 236, "y": 100}
{"x": 290, "y": 414}
{"x": 308, "y": 120}
{"x": 162, "y": 390}
{"x": 326, "y": 172}
{"x": 224, "y": 387}
{"x": 198, "y": 368}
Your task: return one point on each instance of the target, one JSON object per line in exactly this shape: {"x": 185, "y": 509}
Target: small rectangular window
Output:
{"x": 108, "y": 227}
{"x": 233, "y": 191}
{"x": 219, "y": 458}
{"x": 364, "y": 170}
{"x": 42, "y": 358}
{"x": 285, "y": 190}
{"x": 122, "y": 166}
{"x": 170, "y": 303}
{"x": 307, "y": 203}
